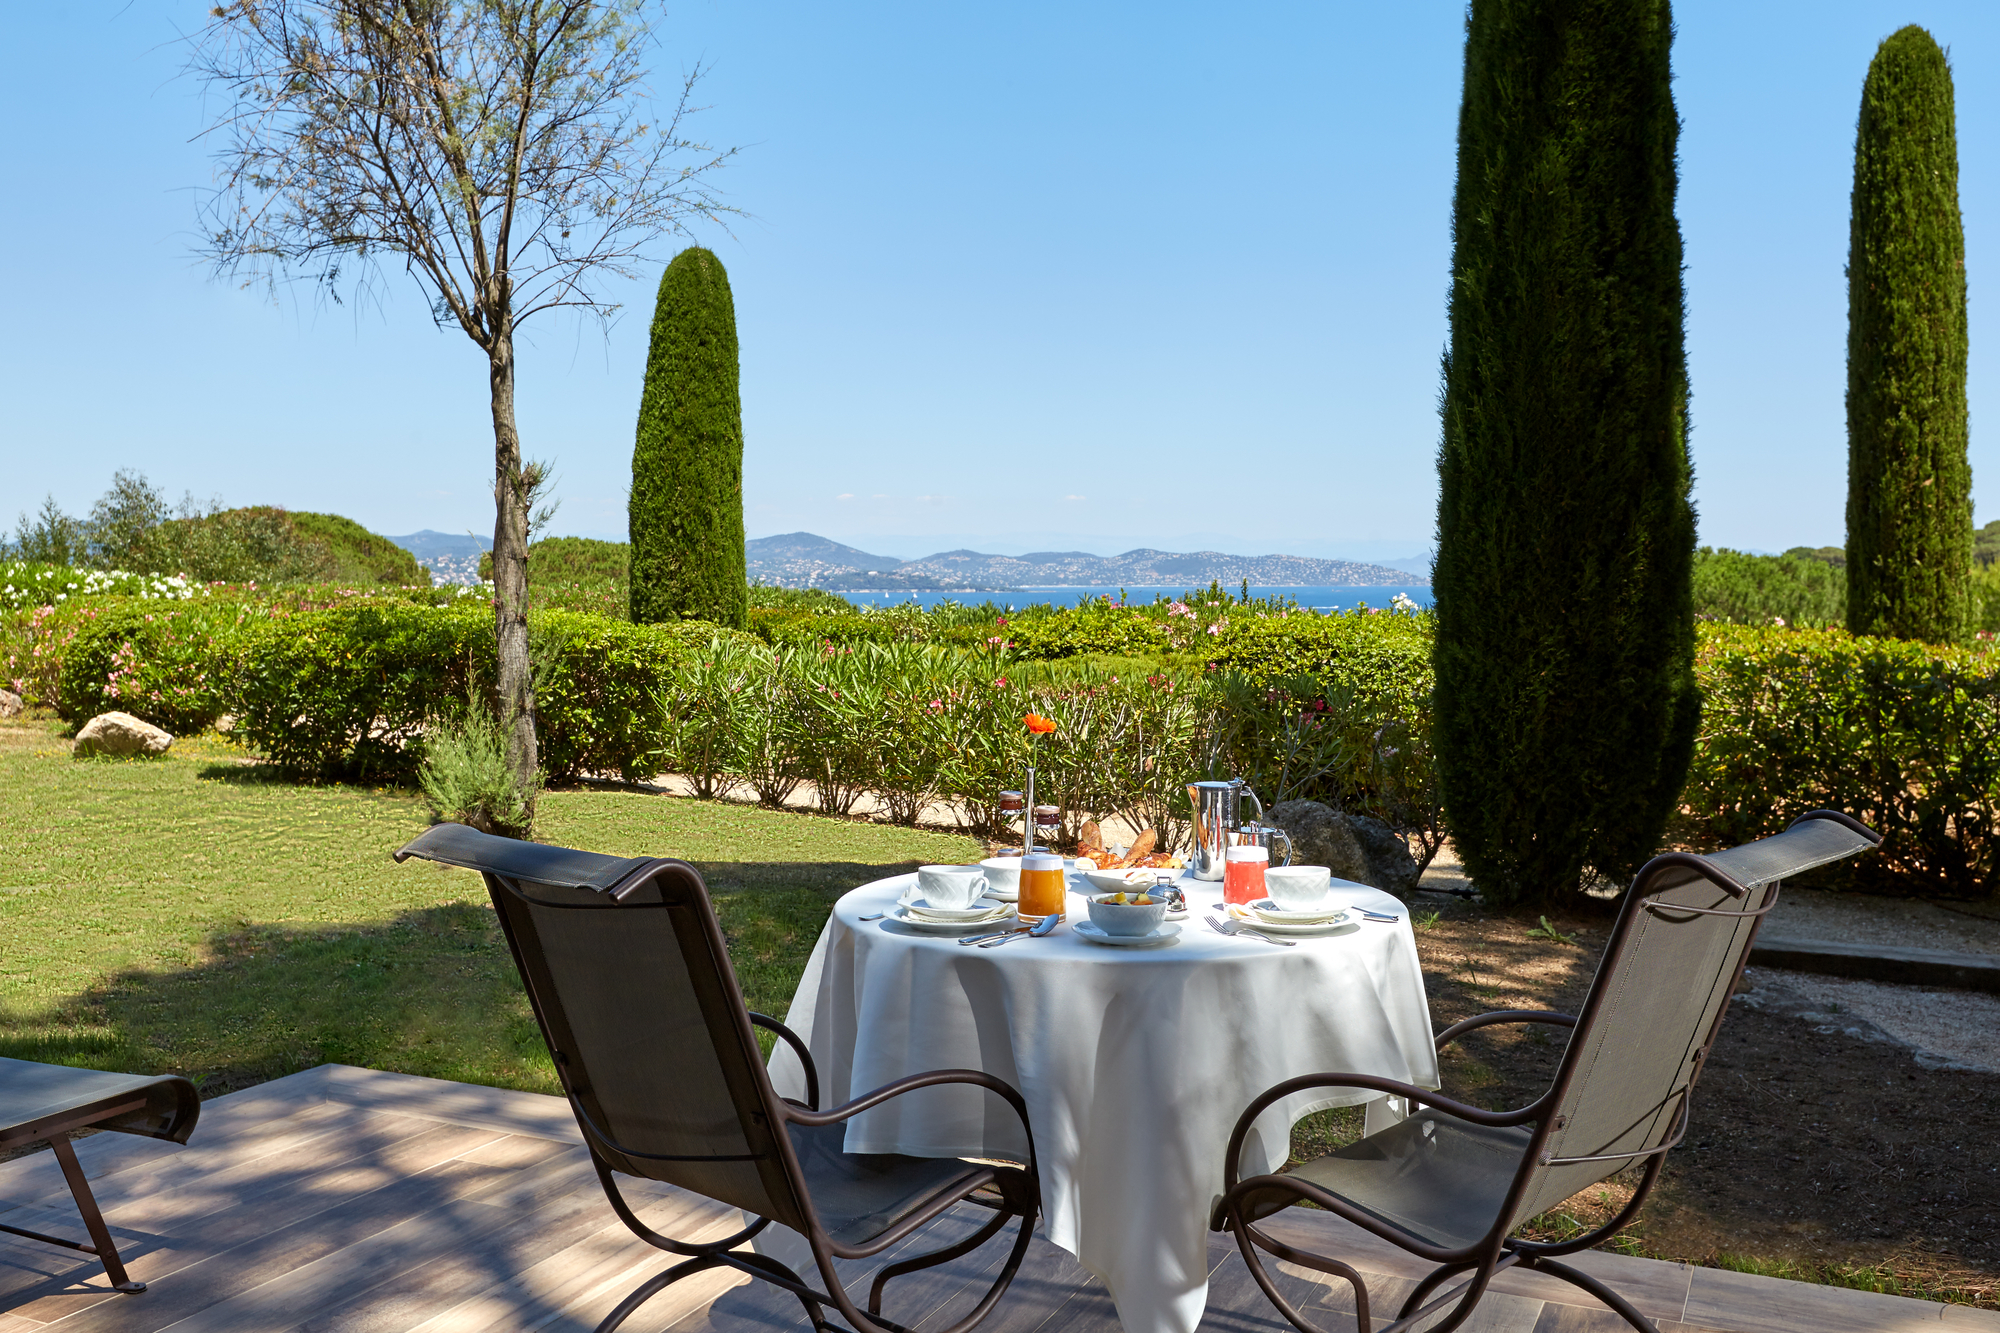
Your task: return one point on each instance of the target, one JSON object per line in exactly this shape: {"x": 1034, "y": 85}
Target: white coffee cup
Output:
{"x": 1297, "y": 888}
{"x": 951, "y": 888}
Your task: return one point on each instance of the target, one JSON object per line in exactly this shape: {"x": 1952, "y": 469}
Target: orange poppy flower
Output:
{"x": 1038, "y": 724}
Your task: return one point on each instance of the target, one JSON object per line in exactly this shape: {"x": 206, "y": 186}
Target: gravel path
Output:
{"x": 1857, "y": 918}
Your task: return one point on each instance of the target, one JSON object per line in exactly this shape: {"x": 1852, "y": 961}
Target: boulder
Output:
{"x": 10, "y": 704}
{"x": 1390, "y": 865}
{"x": 121, "y": 733}
{"x": 1321, "y": 836}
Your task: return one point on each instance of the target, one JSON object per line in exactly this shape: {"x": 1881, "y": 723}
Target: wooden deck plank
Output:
{"x": 596, "y": 1269}
{"x": 231, "y": 1251}
{"x": 181, "y": 1188}
{"x": 530, "y": 1113}
{"x": 1748, "y": 1303}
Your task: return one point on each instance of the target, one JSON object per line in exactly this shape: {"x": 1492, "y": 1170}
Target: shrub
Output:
{"x": 170, "y": 663}
{"x": 465, "y": 776}
{"x": 574, "y": 574}
{"x": 346, "y": 692}
{"x": 1789, "y": 589}
{"x": 1902, "y": 736}
{"x": 1909, "y": 486}
{"x": 1565, "y": 702}
{"x": 686, "y": 513}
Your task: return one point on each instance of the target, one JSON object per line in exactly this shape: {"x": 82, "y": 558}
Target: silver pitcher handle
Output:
{"x": 1288, "y": 845}
{"x": 1243, "y": 789}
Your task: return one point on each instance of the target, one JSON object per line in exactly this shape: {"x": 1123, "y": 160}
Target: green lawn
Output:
{"x": 191, "y": 914}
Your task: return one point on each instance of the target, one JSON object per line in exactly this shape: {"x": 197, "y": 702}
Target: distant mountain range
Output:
{"x": 803, "y": 560}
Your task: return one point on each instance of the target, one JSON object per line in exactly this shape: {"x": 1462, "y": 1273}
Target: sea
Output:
{"x": 1323, "y": 600}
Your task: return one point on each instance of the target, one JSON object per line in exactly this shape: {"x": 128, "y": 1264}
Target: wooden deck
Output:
{"x": 342, "y": 1200}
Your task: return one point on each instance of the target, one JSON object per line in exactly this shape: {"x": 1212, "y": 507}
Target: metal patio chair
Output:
{"x": 630, "y": 981}
{"x": 1452, "y": 1182}
{"x": 47, "y": 1103}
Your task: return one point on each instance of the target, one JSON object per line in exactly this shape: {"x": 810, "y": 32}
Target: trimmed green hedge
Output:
{"x": 1904, "y": 737}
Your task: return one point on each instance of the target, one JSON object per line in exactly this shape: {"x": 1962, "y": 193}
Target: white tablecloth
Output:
{"x": 1135, "y": 1065}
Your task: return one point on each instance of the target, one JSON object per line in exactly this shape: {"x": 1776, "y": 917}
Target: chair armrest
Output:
{"x": 1425, "y": 1096}
{"x": 791, "y": 1039}
{"x": 1457, "y": 1030}
{"x": 999, "y": 1087}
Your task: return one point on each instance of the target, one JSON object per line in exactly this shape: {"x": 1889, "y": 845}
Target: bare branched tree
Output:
{"x": 499, "y": 151}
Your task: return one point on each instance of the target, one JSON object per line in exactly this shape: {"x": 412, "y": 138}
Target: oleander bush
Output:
{"x": 1904, "y": 737}
{"x": 171, "y": 663}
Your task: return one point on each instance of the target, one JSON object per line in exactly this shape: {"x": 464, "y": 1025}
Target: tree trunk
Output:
{"x": 510, "y": 570}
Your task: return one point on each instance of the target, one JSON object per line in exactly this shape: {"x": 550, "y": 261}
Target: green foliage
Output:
{"x": 1904, "y": 737}
{"x": 1796, "y": 588}
{"x": 574, "y": 574}
{"x": 1909, "y": 485}
{"x": 121, "y": 519}
{"x": 686, "y": 515}
{"x": 345, "y": 692}
{"x": 595, "y": 703}
{"x": 1565, "y": 695}
{"x": 353, "y": 554}
{"x": 1986, "y": 544}
{"x": 51, "y": 537}
{"x": 465, "y": 776}
{"x": 764, "y": 597}
{"x": 170, "y": 663}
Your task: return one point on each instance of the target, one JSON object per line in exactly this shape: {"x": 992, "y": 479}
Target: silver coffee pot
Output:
{"x": 1218, "y": 820}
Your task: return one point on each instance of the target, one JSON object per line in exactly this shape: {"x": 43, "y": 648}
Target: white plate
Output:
{"x": 979, "y": 911}
{"x": 932, "y": 926}
{"x": 1004, "y": 895}
{"x": 1160, "y": 935}
{"x": 1265, "y": 910}
{"x": 1255, "y": 922}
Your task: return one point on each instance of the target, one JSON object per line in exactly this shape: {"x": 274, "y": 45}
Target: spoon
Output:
{"x": 1042, "y": 927}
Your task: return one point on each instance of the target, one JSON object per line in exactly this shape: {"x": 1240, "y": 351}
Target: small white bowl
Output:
{"x": 1127, "y": 919}
{"x": 1003, "y": 874}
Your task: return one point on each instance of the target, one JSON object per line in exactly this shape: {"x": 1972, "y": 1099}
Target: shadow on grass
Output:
{"x": 430, "y": 992}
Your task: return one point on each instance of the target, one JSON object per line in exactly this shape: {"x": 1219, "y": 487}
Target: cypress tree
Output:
{"x": 1909, "y": 486}
{"x": 686, "y": 515}
{"x": 1565, "y": 706}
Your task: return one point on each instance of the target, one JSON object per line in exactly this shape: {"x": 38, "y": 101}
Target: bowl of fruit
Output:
{"x": 1128, "y": 912}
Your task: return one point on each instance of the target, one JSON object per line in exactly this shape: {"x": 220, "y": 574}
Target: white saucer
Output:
{"x": 931, "y": 926}
{"x": 921, "y": 907}
{"x": 1255, "y": 922}
{"x": 1160, "y": 935}
{"x": 1318, "y": 915}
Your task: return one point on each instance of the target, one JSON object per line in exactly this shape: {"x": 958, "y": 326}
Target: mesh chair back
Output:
{"x": 630, "y": 982}
{"x": 1658, "y": 999}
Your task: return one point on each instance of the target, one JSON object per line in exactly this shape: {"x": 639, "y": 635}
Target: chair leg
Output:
{"x": 1245, "y": 1235}
{"x": 923, "y": 1261}
{"x": 654, "y": 1285}
{"x": 1590, "y": 1284}
{"x": 993, "y": 1294}
{"x": 93, "y": 1221}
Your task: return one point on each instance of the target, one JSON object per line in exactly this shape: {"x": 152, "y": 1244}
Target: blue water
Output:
{"x": 1323, "y": 600}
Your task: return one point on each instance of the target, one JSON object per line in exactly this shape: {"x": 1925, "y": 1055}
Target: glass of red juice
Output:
{"x": 1243, "y": 873}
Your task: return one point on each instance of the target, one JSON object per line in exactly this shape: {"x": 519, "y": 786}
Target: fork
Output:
{"x": 1238, "y": 928}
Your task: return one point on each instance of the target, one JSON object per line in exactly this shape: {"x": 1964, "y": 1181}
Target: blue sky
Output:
{"x": 1185, "y": 264}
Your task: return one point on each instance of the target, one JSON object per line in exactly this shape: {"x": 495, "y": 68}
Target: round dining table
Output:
{"x": 1135, "y": 1063}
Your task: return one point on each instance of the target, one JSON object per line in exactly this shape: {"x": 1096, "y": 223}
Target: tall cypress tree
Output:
{"x": 686, "y": 515}
{"x": 1909, "y": 486}
{"x": 1566, "y": 705}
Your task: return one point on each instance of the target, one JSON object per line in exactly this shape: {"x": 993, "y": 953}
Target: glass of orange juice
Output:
{"x": 1044, "y": 891}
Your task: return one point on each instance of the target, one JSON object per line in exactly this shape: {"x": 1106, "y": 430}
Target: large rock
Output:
{"x": 10, "y": 704}
{"x": 1321, "y": 836}
{"x": 1390, "y": 865}
{"x": 121, "y": 733}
